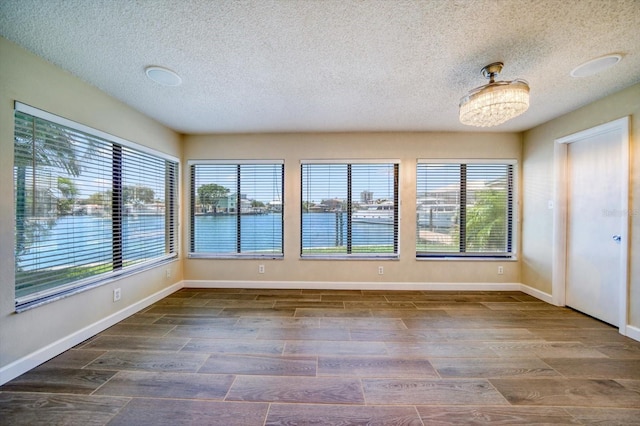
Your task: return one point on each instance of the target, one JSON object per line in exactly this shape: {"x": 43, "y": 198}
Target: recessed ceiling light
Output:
{"x": 163, "y": 76}
{"x": 596, "y": 66}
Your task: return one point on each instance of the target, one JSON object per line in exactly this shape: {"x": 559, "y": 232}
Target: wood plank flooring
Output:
{"x": 311, "y": 357}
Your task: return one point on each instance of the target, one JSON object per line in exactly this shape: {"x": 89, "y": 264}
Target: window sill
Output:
{"x": 235, "y": 256}
{"x": 468, "y": 258}
{"x": 349, "y": 257}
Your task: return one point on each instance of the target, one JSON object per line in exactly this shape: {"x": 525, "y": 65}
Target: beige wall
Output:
{"x": 28, "y": 79}
{"x": 292, "y": 148}
{"x": 538, "y": 185}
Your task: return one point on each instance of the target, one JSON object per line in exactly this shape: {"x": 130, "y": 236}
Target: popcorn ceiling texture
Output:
{"x": 335, "y": 65}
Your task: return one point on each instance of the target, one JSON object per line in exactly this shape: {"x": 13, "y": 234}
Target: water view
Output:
{"x": 260, "y": 233}
{"x": 86, "y": 239}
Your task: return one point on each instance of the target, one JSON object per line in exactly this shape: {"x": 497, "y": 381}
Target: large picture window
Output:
{"x": 465, "y": 209}
{"x": 89, "y": 206}
{"x": 349, "y": 209}
{"x": 236, "y": 209}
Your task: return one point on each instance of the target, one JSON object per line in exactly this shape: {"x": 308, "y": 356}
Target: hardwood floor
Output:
{"x": 311, "y": 357}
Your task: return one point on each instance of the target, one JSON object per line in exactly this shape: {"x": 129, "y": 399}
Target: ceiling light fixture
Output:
{"x": 496, "y": 102}
{"x": 596, "y": 65}
{"x": 163, "y": 76}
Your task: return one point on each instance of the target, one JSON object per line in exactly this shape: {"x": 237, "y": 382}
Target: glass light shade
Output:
{"x": 494, "y": 103}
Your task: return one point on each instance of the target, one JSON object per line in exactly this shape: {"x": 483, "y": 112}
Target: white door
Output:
{"x": 596, "y": 217}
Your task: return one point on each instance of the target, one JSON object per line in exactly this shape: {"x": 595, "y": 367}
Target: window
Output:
{"x": 350, "y": 209}
{"x": 236, "y": 209}
{"x": 89, "y": 206}
{"x": 465, "y": 209}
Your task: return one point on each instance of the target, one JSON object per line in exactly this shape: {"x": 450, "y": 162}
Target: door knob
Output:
{"x": 617, "y": 238}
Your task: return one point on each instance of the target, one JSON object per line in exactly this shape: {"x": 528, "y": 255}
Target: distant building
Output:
{"x": 366, "y": 197}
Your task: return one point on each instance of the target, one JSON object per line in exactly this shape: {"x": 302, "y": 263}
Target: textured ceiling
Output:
{"x": 343, "y": 65}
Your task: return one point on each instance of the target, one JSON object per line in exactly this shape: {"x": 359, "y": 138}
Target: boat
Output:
{"x": 437, "y": 215}
{"x": 380, "y": 214}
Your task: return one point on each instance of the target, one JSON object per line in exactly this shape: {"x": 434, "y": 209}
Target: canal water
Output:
{"x": 86, "y": 239}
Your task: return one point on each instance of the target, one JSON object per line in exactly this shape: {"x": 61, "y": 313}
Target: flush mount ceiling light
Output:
{"x": 163, "y": 76}
{"x": 496, "y": 102}
{"x": 595, "y": 66}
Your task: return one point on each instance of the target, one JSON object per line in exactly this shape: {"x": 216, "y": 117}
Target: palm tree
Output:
{"x": 67, "y": 188}
{"x": 486, "y": 221}
{"x": 34, "y": 148}
{"x": 210, "y": 195}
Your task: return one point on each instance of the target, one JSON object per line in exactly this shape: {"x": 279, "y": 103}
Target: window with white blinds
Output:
{"x": 236, "y": 208}
{"x": 349, "y": 209}
{"x": 89, "y": 206}
{"x": 465, "y": 209}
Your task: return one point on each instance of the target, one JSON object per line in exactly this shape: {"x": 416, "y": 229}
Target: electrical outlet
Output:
{"x": 380, "y": 270}
{"x": 167, "y": 273}
{"x": 261, "y": 269}
{"x": 500, "y": 270}
{"x": 117, "y": 293}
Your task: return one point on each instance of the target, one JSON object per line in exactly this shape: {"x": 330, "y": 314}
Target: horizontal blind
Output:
{"x": 325, "y": 195}
{"x": 171, "y": 205}
{"x": 236, "y": 209}
{"x": 489, "y": 208}
{"x": 465, "y": 209}
{"x": 438, "y": 208}
{"x": 261, "y": 229}
{"x": 144, "y": 207}
{"x": 60, "y": 174}
{"x": 72, "y": 222}
{"x": 349, "y": 209}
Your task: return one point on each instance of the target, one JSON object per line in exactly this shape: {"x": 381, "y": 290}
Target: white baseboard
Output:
{"x": 34, "y": 359}
{"x": 334, "y": 285}
{"x": 538, "y": 294}
{"x": 633, "y": 332}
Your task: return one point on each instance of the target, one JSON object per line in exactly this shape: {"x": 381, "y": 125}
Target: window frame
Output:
{"x": 397, "y": 207}
{"x": 118, "y": 270}
{"x": 512, "y": 218}
{"x": 192, "y": 254}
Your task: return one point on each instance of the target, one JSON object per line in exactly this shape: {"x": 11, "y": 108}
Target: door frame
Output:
{"x": 560, "y": 211}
